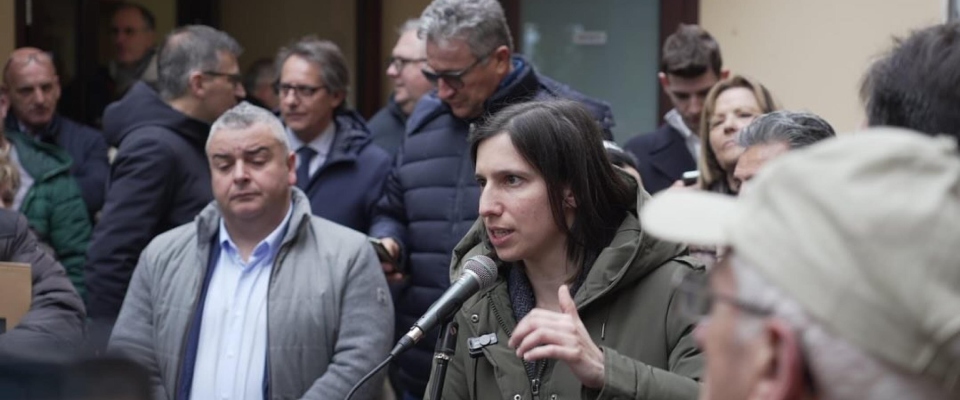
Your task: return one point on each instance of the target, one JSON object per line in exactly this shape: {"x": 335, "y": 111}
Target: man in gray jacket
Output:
{"x": 256, "y": 298}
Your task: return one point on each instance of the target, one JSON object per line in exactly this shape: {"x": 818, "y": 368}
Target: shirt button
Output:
{"x": 476, "y": 318}
{"x": 553, "y": 397}
{"x": 517, "y": 397}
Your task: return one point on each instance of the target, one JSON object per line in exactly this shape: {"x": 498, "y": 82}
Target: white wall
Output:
{"x": 263, "y": 26}
{"x": 812, "y": 53}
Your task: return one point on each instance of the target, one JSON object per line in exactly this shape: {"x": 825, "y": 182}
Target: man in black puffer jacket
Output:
{"x": 431, "y": 197}
{"x": 160, "y": 178}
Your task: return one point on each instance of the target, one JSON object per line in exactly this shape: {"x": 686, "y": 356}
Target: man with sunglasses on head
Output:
{"x": 160, "y": 178}
{"x": 405, "y": 71}
{"x": 431, "y": 197}
{"x": 840, "y": 278}
{"x": 338, "y": 167}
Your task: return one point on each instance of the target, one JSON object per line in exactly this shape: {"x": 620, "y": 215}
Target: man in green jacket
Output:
{"x": 49, "y": 197}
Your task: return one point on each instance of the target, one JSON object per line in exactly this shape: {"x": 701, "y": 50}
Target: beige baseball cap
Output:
{"x": 860, "y": 230}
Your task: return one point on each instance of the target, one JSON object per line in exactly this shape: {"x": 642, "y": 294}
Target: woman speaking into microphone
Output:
{"x": 584, "y": 304}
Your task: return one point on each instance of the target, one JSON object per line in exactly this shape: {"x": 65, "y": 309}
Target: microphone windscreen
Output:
{"x": 485, "y": 269}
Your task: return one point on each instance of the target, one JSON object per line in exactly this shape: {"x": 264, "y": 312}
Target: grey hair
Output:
{"x": 797, "y": 129}
{"x": 839, "y": 369}
{"x": 412, "y": 24}
{"x": 190, "y": 49}
{"x": 245, "y": 115}
{"x": 326, "y": 55}
{"x": 480, "y": 22}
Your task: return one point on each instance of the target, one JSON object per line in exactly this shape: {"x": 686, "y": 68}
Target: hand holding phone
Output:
{"x": 387, "y": 251}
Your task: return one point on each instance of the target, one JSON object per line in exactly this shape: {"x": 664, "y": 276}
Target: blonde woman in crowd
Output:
{"x": 729, "y": 107}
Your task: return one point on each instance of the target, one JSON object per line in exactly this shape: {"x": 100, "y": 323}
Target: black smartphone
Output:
{"x": 382, "y": 252}
{"x": 690, "y": 177}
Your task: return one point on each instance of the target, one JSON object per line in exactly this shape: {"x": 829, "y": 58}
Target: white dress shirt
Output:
{"x": 26, "y": 181}
{"x": 232, "y": 347}
{"x": 321, "y": 144}
{"x": 690, "y": 138}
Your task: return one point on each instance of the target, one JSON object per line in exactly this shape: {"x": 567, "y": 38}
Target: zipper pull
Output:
{"x": 535, "y": 386}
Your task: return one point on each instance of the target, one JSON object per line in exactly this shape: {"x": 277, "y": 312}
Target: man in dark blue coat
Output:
{"x": 31, "y": 83}
{"x": 690, "y": 65}
{"x": 338, "y": 167}
{"x": 431, "y": 197}
{"x": 160, "y": 178}
{"x": 390, "y": 123}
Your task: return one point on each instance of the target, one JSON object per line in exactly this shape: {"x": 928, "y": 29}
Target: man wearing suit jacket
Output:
{"x": 689, "y": 67}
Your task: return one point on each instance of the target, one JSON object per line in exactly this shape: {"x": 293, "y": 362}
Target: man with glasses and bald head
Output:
{"x": 431, "y": 198}
{"x": 160, "y": 178}
{"x": 338, "y": 167}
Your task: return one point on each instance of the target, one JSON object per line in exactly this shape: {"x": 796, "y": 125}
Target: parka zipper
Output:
{"x": 541, "y": 365}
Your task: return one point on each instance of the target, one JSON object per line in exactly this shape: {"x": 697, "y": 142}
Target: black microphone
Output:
{"x": 479, "y": 273}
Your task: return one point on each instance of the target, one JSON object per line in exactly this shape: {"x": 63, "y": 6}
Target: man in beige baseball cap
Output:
{"x": 841, "y": 279}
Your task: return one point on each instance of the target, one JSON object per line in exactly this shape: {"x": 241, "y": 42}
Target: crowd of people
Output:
{"x": 209, "y": 233}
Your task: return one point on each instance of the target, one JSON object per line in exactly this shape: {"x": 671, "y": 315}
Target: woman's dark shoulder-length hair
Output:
{"x": 563, "y": 142}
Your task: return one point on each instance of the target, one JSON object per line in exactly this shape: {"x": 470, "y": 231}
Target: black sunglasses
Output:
{"x": 454, "y": 79}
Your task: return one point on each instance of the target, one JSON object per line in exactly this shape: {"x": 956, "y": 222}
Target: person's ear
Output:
{"x": 292, "y": 168}
{"x": 4, "y": 105}
{"x": 724, "y": 74}
{"x": 569, "y": 201}
{"x": 780, "y": 363}
{"x": 502, "y": 57}
{"x": 664, "y": 80}
{"x": 338, "y": 98}
{"x": 195, "y": 84}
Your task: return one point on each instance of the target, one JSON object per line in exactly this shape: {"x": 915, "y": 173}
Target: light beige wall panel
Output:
{"x": 812, "y": 53}
{"x": 8, "y": 37}
{"x": 262, "y": 27}
{"x": 395, "y": 13}
{"x": 165, "y": 12}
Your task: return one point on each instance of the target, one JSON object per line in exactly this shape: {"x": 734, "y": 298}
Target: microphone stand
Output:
{"x": 446, "y": 347}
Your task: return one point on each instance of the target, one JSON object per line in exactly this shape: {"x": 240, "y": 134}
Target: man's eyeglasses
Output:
{"x": 234, "y": 79}
{"x": 453, "y": 79}
{"x": 697, "y": 300}
{"x": 398, "y": 63}
{"x": 300, "y": 90}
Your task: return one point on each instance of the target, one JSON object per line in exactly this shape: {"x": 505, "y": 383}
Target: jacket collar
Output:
{"x": 42, "y": 160}
{"x": 351, "y": 136}
{"x": 208, "y": 221}
{"x": 48, "y": 134}
{"x": 395, "y": 110}
{"x": 519, "y": 86}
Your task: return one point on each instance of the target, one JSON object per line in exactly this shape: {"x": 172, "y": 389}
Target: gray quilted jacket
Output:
{"x": 329, "y": 314}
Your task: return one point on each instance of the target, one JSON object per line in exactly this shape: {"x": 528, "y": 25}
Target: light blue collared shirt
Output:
{"x": 232, "y": 348}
